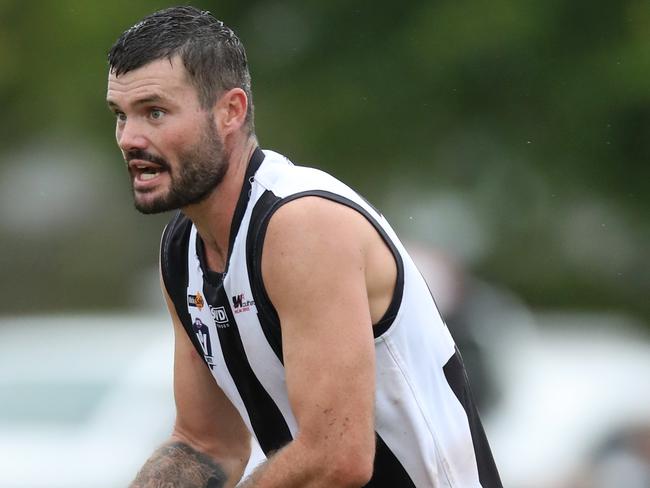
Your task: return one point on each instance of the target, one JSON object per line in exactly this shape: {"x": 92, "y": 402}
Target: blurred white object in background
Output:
{"x": 84, "y": 400}
{"x": 575, "y": 381}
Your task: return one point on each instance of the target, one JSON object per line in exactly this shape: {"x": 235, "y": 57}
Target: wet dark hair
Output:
{"x": 212, "y": 54}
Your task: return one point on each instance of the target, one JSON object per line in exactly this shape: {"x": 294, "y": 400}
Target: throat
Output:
{"x": 214, "y": 257}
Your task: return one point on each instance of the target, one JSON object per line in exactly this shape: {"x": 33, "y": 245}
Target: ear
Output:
{"x": 230, "y": 111}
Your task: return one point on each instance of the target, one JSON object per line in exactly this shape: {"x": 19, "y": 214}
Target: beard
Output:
{"x": 201, "y": 168}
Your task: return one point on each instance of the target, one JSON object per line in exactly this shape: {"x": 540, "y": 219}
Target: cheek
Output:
{"x": 178, "y": 139}
{"x": 175, "y": 139}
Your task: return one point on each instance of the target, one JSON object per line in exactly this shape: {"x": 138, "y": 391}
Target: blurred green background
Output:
{"x": 511, "y": 134}
{"x": 507, "y": 139}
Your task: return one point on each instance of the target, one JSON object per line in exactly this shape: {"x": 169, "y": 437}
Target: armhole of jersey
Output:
{"x": 267, "y": 205}
{"x": 173, "y": 267}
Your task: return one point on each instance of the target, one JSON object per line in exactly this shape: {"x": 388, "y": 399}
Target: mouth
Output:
{"x": 145, "y": 174}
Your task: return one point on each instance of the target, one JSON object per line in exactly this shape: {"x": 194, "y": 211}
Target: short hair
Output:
{"x": 213, "y": 55}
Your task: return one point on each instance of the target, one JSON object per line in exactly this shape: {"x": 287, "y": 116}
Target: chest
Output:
{"x": 221, "y": 307}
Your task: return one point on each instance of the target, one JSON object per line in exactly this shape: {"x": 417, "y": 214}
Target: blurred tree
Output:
{"x": 537, "y": 113}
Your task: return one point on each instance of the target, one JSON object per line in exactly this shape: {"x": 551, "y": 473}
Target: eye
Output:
{"x": 156, "y": 114}
{"x": 120, "y": 116}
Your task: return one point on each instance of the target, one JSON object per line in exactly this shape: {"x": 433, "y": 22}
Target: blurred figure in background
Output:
{"x": 621, "y": 460}
{"x": 458, "y": 297}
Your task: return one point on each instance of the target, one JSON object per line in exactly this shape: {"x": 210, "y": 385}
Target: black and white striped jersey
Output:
{"x": 427, "y": 429}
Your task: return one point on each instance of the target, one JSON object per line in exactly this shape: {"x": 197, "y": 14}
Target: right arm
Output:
{"x": 210, "y": 444}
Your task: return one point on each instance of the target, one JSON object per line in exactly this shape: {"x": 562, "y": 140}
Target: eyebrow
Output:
{"x": 141, "y": 101}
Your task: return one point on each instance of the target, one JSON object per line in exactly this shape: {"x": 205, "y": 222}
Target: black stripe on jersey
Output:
{"x": 267, "y": 204}
{"x": 457, "y": 378}
{"x": 266, "y": 314}
{"x": 266, "y": 419}
{"x": 388, "y": 472}
{"x": 242, "y": 203}
{"x": 173, "y": 266}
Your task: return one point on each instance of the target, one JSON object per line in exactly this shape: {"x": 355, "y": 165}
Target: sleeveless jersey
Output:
{"x": 428, "y": 433}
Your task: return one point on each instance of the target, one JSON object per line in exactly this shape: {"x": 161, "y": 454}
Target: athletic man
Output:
{"x": 299, "y": 318}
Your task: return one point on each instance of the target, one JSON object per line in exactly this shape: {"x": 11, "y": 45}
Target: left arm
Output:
{"x": 314, "y": 270}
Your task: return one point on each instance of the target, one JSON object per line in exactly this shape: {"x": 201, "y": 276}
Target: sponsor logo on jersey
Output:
{"x": 220, "y": 317}
{"x": 196, "y": 300}
{"x": 240, "y": 304}
{"x": 203, "y": 335}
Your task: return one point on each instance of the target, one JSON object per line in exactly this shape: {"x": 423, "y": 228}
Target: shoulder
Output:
{"x": 291, "y": 195}
{"x": 313, "y": 257}
{"x": 315, "y": 213}
{"x": 280, "y": 176}
{"x": 307, "y": 232}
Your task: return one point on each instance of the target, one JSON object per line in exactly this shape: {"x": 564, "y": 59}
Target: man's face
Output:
{"x": 173, "y": 152}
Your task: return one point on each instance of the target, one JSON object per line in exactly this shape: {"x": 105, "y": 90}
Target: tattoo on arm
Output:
{"x": 178, "y": 465}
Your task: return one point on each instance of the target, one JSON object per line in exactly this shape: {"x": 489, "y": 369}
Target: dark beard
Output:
{"x": 200, "y": 170}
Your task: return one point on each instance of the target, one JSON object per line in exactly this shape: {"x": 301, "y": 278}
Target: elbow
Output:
{"x": 352, "y": 468}
{"x": 351, "y": 476}
{"x": 339, "y": 461}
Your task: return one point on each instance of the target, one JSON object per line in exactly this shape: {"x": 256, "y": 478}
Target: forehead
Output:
{"x": 163, "y": 78}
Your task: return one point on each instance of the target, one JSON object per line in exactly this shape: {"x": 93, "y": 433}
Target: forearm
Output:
{"x": 280, "y": 470}
{"x": 178, "y": 464}
{"x": 296, "y": 466}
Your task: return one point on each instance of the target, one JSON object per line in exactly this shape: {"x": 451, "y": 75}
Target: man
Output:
{"x": 299, "y": 318}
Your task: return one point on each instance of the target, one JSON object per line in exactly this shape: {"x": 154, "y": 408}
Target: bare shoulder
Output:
{"x": 314, "y": 245}
{"x": 309, "y": 241}
{"x": 316, "y": 219}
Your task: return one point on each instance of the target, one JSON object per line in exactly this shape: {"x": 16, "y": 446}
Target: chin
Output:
{"x": 148, "y": 203}
{"x": 149, "y": 210}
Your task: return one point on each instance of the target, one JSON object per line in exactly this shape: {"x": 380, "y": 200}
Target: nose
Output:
{"x": 129, "y": 136}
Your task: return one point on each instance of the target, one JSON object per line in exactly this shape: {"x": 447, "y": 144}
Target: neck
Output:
{"x": 213, "y": 216}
